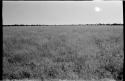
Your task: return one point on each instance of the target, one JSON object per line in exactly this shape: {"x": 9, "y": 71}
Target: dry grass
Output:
{"x": 105, "y": 79}
{"x": 26, "y": 47}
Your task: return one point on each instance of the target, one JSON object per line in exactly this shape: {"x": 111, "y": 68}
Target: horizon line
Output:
{"x": 60, "y": 24}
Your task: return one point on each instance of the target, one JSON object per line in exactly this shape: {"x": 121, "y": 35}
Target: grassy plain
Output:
{"x": 63, "y": 52}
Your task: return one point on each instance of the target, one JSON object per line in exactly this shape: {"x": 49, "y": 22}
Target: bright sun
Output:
{"x": 97, "y": 9}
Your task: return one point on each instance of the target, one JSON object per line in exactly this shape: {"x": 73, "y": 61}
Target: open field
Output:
{"x": 63, "y": 52}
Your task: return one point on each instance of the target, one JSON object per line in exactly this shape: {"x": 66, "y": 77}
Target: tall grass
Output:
{"x": 70, "y": 53}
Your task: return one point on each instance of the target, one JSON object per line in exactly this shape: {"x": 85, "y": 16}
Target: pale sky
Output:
{"x": 62, "y": 12}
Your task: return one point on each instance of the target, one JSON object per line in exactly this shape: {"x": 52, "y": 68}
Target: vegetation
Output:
{"x": 113, "y": 24}
{"x": 65, "y": 52}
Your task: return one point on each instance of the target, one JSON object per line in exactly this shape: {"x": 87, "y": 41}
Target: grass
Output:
{"x": 63, "y": 52}
{"x": 61, "y": 80}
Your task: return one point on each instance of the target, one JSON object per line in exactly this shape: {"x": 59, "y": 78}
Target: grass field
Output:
{"x": 63, "y": 52}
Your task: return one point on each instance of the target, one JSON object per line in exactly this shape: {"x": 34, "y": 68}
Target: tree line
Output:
{"x": 61, "y": 25}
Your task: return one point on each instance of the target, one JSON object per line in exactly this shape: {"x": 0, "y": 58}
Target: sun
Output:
{"x": 97, "y": 9}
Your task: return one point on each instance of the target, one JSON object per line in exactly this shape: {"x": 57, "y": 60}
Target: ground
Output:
{"x": 63, "y": 52}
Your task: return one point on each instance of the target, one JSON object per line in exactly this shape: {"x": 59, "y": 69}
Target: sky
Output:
{"x": 62, "y": 12}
